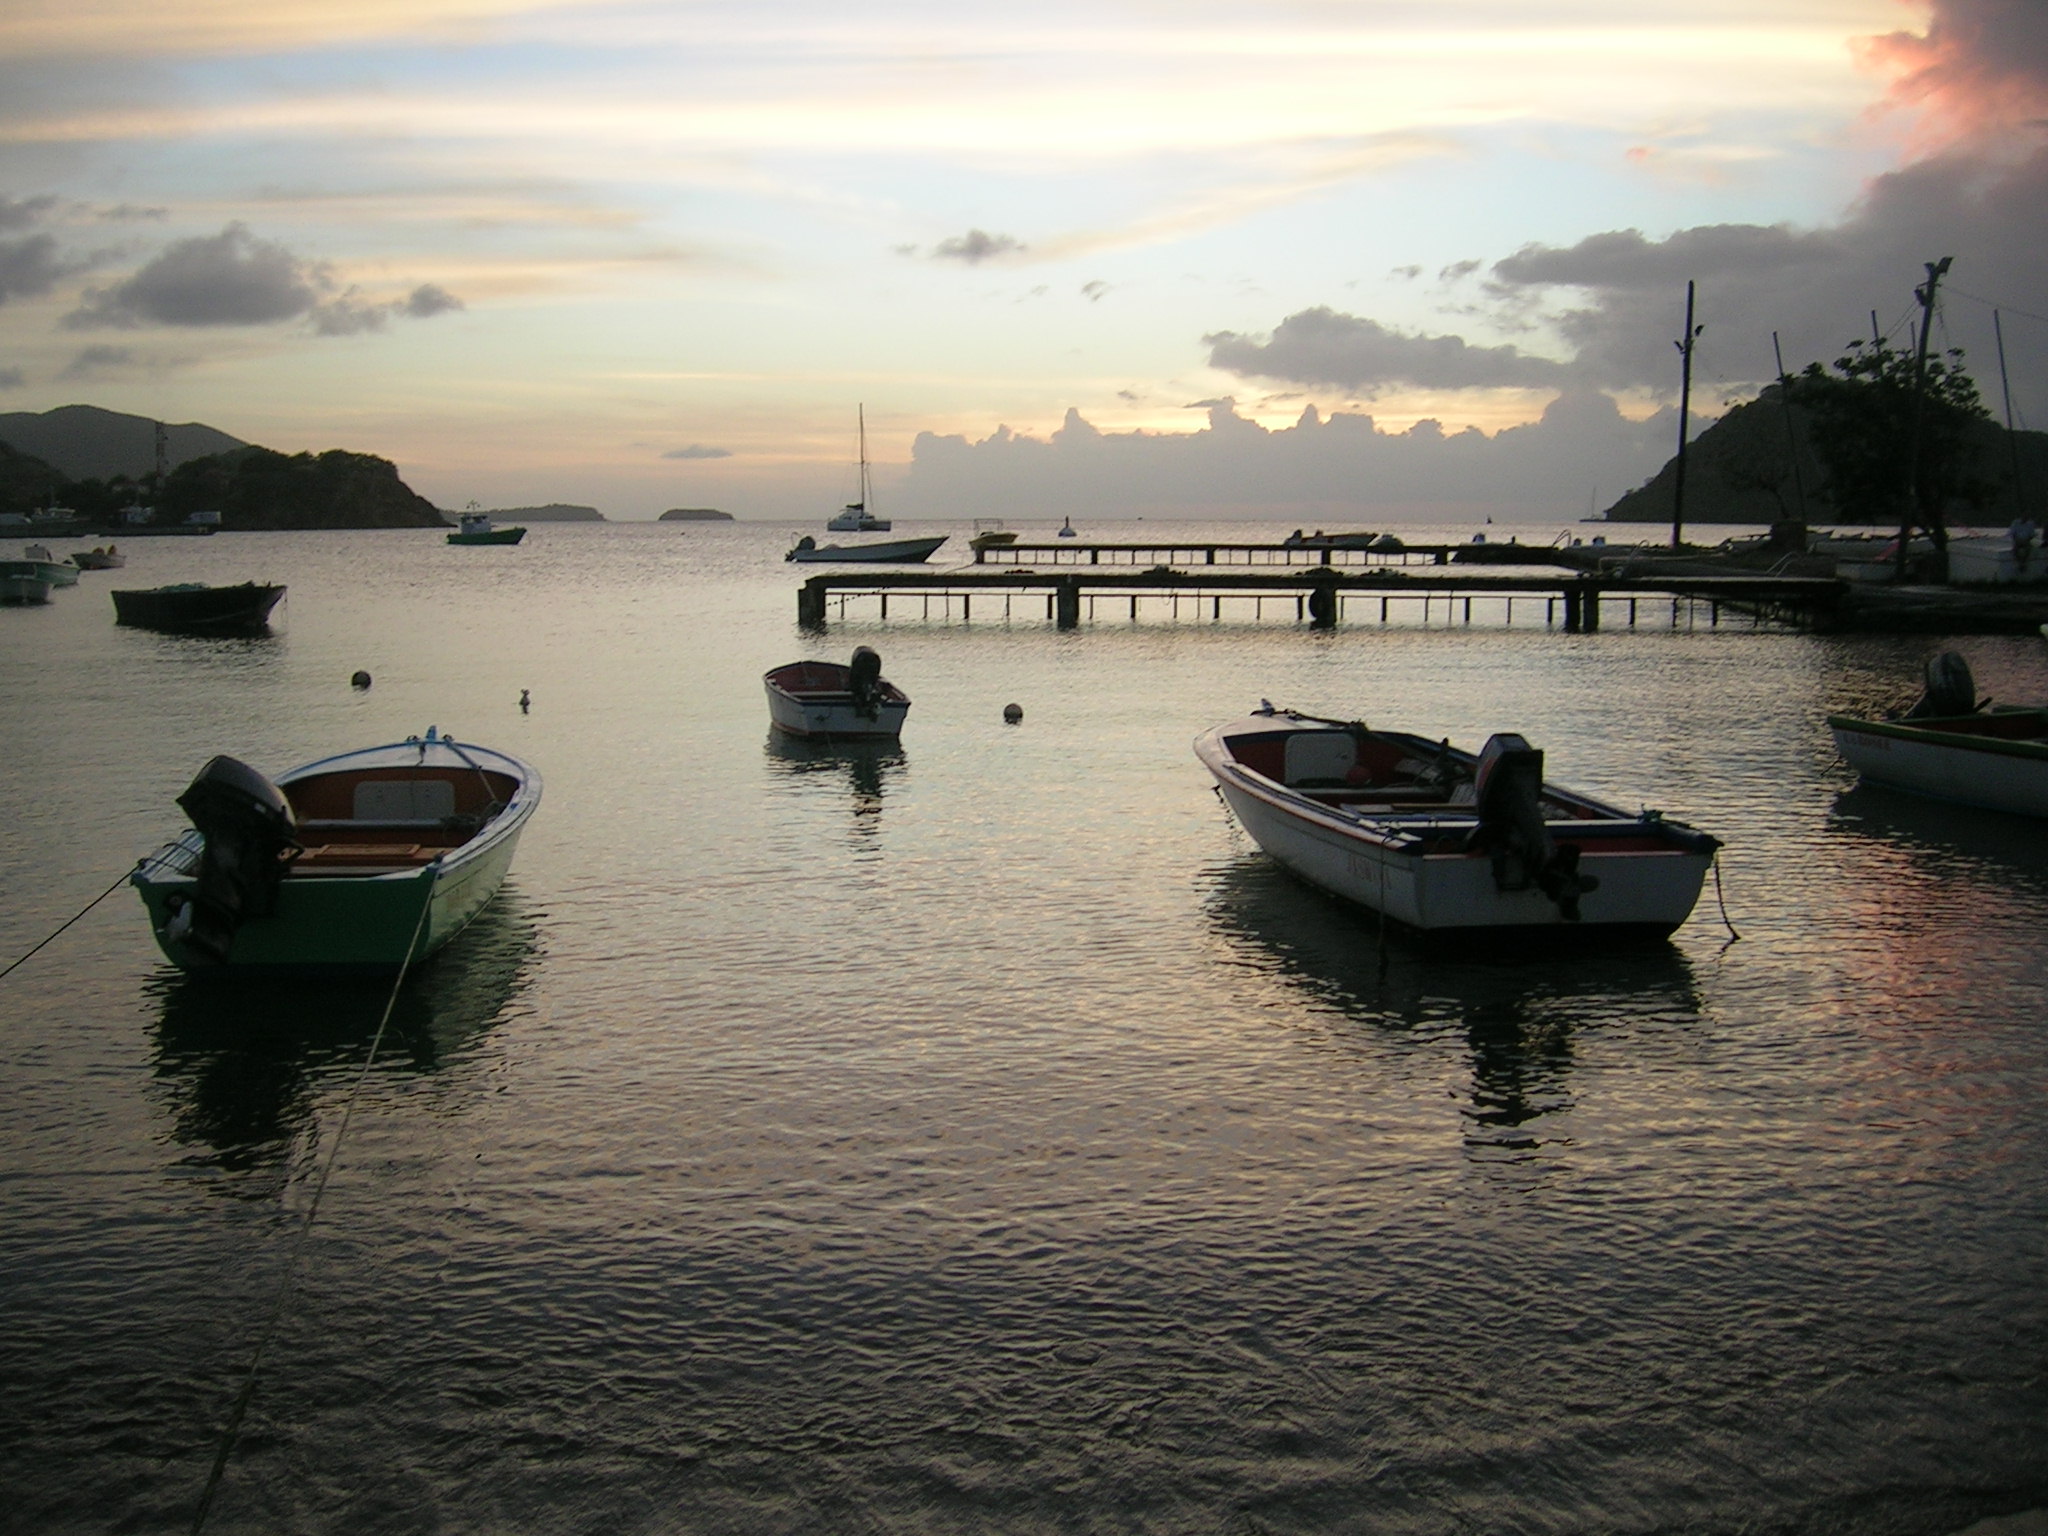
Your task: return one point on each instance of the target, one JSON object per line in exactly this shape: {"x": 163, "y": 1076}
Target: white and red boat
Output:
{"x": 836, "y": 700}
{"x": 1448, "y": 842}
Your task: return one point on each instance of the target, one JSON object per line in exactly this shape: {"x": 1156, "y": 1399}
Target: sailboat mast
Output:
{"x": 864, "y": 489}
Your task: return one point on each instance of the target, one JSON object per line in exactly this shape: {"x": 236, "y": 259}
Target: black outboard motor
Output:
{"x": 250, "y": 836}
{"x": 866, "y": 682}
{"x": 1950, "y": 689}
{"x": 1509, "y": 788}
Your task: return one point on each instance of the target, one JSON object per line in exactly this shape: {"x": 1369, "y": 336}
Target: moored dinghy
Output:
{"x": 1949, "y": 746}
{"x": 360, "y": 862}
{"x": 834, "y": 700}
{"x": 1448, "y": 842}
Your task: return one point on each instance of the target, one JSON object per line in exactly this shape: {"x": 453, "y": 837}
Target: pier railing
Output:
{"x": 1322, "y": 597}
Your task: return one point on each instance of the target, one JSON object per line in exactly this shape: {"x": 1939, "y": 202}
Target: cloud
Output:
{"x": 976, "y": 246}
{"x": 1321, "y": 468}
{"x": 430, "y": 299}
{"x": 20, "y": 212}
{"x": 30, "y": 267}
{"x": 1979, "y": 70}
{"x": 12, "y": 378}
{"x": 231, "y": 278}
{"x": 235, "y": 278}
{"x": 1323, "y": 347}
{"x": 98, "y": 362}
{"x": 698, "y": 451}
{"x": 1093, "y": 291}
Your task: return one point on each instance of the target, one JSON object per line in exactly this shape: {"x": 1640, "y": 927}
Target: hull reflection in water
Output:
{"x": 863, "y": 767}
{"x": 240, "y": 1069}
{"x": 1516, "y": 1016}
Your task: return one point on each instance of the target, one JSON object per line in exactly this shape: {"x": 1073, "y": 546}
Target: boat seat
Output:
{"x": 404, "y": 800}
{"x": 1320, "y": 758}
{"x": 318, "y": 857}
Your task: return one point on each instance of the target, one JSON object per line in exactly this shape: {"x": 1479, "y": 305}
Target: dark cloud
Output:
{"x": 975, "y": 247}
{"x": 698, "y": 451}
{"x": 430, "y": 299}
{"x": 1977, "y": 72}
{"x": 20, "y": 212}
{"x": 30, "y": 267}
{"x": 12, "y": 378}
{"x": 1624, "y": 259}
{"x": 122, "y": 213}
{"x": 1407, "y": 274}
{"x": 236, "y": 278}
{"x": 1458, "y": 270}
{"x": 232, "y": 278}
{"x": 1323, "y": 347}
{"x": 98, "y": 362}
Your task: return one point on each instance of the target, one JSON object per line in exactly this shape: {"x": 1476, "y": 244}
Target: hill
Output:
{"x": 1740, "y": 470}
{"x": 26, "y": 483}
{"x": 84, "y": 442}
{"x": 694, "y": 515}
{"x": 256, "y": 488}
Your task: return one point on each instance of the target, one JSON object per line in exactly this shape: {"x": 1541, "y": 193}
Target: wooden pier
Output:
{"x": 1202, "y": 552}
{"x": 1322, "y": 597}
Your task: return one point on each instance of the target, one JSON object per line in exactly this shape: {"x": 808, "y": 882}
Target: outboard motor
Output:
{"x": 1508, "y": 788}
{"x": 250, "y": 836}
{"x": 866, "y": 682}
{"x": 1950, "y": 688}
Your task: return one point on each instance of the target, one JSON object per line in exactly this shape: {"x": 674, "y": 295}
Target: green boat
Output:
{"x": 477, "y": 528}
{"x": 362, "y": 863}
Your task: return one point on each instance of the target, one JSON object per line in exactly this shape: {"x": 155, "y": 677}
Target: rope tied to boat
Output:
{"x": 1722, "y": 900}
{"x": 119, "y": 881}
{"x": 232, "y": 1432}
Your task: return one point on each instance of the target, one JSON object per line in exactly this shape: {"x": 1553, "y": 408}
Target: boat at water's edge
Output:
{"x": 362, "y": 862}
{"x": 1446, "y": 842}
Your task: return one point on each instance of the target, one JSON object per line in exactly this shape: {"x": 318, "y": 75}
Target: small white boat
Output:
{"x": 884, "y": 552}
{"x": 1451, "y": 843}
{"x": 1949, "y": 747}
{"x": 103, "y": 558}
{"x": 59, "y": 573}
{"x": 834, "y": 700}
{"x": 357, "y": 863}
{"x": 24, "y": 581}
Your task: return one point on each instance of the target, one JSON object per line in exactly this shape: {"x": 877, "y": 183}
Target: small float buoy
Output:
{"x": 360, "y": 680}
{"x": 525, "y": 700}
{"x": 1012, "y": 713}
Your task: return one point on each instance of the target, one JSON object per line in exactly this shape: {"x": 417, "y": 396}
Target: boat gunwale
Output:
{"x": 1932, "y": 736}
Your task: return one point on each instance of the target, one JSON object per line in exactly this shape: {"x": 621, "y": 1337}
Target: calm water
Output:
{"x": 982, "y": 1136}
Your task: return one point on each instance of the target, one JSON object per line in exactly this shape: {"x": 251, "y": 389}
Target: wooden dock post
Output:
{"x": 1066, "y": 593}
{"x": 810, "y": 605}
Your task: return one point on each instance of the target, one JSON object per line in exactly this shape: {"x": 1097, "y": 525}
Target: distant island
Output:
{"x": 553, "y": 512}
{"x": 694, "y": 515}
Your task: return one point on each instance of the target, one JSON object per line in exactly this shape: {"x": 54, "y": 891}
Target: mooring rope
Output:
{"x": 103, "y": 895}
{"x": 284, "y": 1295}
{"x": 1733, "y": 936}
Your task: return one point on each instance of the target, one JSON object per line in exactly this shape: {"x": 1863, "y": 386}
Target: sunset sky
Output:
{"x": 1095, "y": 257}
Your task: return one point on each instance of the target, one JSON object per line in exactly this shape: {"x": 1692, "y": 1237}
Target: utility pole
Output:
{"x": 1791, "y": 432}
{"x": 1936, "y": 270}
{"x": 1684, "y": 411}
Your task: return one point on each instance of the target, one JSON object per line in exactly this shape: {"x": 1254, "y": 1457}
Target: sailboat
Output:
{"x": 855, "y": 517}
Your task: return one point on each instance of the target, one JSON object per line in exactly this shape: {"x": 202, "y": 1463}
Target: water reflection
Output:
{"x": 1900, "y": 834}
{"x": 865, "y": 768}
{"x": 240, "y": 1064}
{"x": 1517, "y": 1014}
